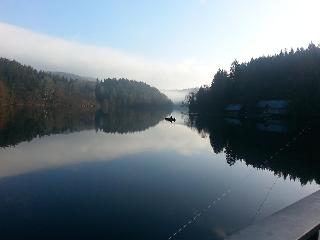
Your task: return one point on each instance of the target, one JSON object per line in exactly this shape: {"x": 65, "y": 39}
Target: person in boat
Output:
{"x": 170, "y": 119}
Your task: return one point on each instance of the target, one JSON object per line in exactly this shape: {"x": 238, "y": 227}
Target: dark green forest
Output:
{"x": 24, "y": 85}
{"x": 111, "y": 93}
{"x": 293, "y": 76}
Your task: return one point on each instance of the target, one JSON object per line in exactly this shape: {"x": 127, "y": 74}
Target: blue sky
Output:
{"x": 195, "y": 36}
{"x": 142, "y": 27}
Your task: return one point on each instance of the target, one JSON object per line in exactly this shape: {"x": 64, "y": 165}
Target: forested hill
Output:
{"x": 72, "y": 76}
{"x": 23, "y": 85}
{"x": 293, "y": 76}
{"x": 129, "y": 93}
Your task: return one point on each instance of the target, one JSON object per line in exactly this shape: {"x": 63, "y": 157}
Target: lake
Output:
{"x": 132, "y": 175}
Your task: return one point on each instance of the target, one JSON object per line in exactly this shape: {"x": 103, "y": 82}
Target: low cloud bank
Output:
{"x": 55, "y": 54}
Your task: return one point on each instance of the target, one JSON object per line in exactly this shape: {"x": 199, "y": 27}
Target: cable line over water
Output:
{"x": 224, "y": 194}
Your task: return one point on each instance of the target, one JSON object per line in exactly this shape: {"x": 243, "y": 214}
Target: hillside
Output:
{"x": 71, "y": 76}
{"x": 112, "y": 93}
{"x": 23, "y": 85}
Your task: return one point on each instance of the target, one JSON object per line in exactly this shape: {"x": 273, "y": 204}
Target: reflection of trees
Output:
{"x": 25, "y": 124}
{"x": 20, "y": 125}
{"x": 245, "y": 141}
{"x": 128, "y": 120}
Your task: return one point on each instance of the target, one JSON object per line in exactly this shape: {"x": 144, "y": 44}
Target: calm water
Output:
{"x": 131, "y": 175}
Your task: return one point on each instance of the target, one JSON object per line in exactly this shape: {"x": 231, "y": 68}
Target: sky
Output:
{"x": 170, "y": 44}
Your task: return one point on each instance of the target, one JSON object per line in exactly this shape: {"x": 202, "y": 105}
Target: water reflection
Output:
{"x": 88, "y": 180}
{"x": 84, "y": 142}
{"x": 128, "y": 120}
{"x": 24, "y": 124}
{"x": 286, "y": 147}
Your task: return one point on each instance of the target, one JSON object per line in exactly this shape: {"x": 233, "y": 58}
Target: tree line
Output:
{"x": 122, "y": 92}
{"x": 24, "y": 85}
{"x": 292, "y": 75}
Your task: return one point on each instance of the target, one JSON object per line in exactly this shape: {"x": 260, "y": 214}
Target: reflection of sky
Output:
{"x": 170, "y": 162}
{"x": 65, "y": 149}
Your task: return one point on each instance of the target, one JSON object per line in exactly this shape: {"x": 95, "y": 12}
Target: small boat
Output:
{"x": 170, "y": 119}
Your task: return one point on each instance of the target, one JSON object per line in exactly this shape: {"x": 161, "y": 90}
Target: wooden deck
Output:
{"x": 299, "y": 221}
